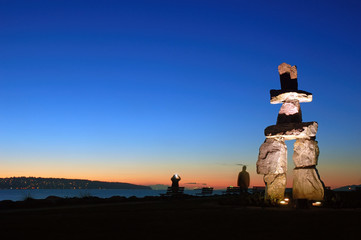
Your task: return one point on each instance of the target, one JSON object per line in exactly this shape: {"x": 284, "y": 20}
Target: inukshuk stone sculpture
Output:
{"x": 272, "y": 158}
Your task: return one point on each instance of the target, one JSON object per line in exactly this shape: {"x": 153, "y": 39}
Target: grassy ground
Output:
{"x": 189, "y": 218}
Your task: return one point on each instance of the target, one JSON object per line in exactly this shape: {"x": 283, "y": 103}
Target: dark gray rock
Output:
{"x": 289, "y": 131}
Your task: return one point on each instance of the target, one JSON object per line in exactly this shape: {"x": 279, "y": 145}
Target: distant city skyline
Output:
{"x": 135, "y": 91}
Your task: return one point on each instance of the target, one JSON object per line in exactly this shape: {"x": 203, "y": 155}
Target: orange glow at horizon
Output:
{"x": 192, "y": 176}
{"x": 187, "y": 181}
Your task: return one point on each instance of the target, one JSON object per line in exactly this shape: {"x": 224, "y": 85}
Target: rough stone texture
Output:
{"x": 287, "y": 68}
{"x": 280, "y": 96}
{"x": 272, "y": 157}
{"x": 290, "y": 112}
{"x": 307, "y": 184}
{"x": 305, "y": 153}
{"x": 290, "y": 131}
{"x": 288, "y": 77}
{"x": 275, "y": 186}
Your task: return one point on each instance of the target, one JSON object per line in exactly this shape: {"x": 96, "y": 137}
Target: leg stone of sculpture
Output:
{"x": 305, "y": 153}
{"x": 275, "y": 186}
{"x": 272, "y": 157}
{"x": 272, "y": 162}
{"x": 306, "y": 181}
{"x": 307, "y": 184}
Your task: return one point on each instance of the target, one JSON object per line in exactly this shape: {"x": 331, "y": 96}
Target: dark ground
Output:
{"x": 174, "y": 218}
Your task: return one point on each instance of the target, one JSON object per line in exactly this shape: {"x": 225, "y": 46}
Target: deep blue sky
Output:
{"x": 116, "y": 90}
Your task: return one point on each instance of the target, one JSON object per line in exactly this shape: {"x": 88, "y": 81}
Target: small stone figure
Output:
{"x": 243, "y": 180}
{"x": 272, "y": 158}
{"x": 175, "y": 180}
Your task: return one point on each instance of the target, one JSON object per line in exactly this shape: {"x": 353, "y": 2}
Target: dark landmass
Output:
{"x": 348, "y": 188}
{"x": 62, "y": 183}
{"x": 182, "y": 217}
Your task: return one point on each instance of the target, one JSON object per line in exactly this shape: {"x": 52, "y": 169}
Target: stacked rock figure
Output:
{"x": 272, "y": 158}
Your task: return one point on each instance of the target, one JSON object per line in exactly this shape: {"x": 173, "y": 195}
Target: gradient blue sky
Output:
{"x": 137, "y": 90}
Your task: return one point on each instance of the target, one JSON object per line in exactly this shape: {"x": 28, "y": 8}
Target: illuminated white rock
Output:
{"x": 305, "y": 153}
{"x": 290, "y": 131}
{"x": 272, "y": 157}
{"x": 307, "y": 184}
{"x": 280, "y": 96}
{"x": 275, "y": 186}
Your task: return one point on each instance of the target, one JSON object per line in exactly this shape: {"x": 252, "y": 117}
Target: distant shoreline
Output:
{"x": 21, "y": 194}
{"x": 62, "y": 183}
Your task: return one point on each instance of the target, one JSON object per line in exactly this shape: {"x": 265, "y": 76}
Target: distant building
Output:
{"x": 258, "y": 189}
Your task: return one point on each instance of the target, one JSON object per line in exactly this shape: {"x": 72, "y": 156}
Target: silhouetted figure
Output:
{"x": 243, "y": 180}
{"x": 175, "y": 181}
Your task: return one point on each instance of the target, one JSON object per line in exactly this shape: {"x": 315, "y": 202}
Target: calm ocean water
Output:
{"x": 19, "y": 195}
